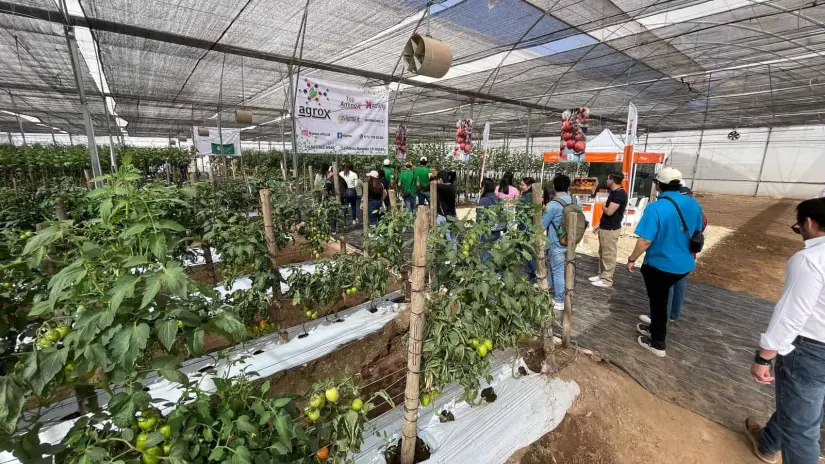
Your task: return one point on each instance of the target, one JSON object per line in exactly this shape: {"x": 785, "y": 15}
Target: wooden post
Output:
{"x": 541, "y": 265}
{"x": 87, "y": 173}
{"x": 336, "y": 181}
{"x": 60, "y": 210}
{"x": 416, "y": 336}
{"x": 365, "y": 213}
{"x": 210, "y": 264}
{"x": 14, "y": 185}
{"x": 393, "y": 198}
{"x": 275, "y": 312}
{"x": 433, "y": 202}
{"x": 193, "y": 177}
{"x": 569, "y": 281}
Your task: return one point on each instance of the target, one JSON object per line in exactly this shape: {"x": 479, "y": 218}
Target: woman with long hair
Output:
{"x": 376, "y": 193}
{"x": 506, "y": 190}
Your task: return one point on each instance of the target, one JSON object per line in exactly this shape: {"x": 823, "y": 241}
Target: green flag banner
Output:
{"x": 228, "y": 149}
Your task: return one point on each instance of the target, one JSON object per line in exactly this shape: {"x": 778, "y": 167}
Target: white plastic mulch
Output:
{"x": 527, "y": 408}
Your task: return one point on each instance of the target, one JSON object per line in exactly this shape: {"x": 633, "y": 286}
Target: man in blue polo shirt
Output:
{"x": 668, "y": 257}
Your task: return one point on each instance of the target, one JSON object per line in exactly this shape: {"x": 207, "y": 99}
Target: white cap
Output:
{"x": 423, "y": 159}
{"x": 373, "y": 174}
{"x": 387, "y": 162}
{"x": 668, "y": 175}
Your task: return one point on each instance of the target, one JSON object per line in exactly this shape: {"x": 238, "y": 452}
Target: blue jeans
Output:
{"x": 374, "y": 211}
{"x": 441, "y": 220}
{"x": 556, "y": 257}
{"x": 676, "y": 299}
{"x": 354, "y": 202}
{"x": 488, "y": 255}
{"x": 409, "y": 202}
{"x": 422, "y": 197}
{"x": 800, "y": 390}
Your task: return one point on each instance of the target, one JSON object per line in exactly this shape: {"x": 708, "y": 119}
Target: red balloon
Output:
{"x": 571, "y": 144}
{"x": 579, "y": 146}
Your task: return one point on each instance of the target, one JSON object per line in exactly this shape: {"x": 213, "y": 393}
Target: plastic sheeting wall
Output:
{"x": 794, "y": 160}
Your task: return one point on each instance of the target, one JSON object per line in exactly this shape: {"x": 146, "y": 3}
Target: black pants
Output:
{"x": 658, "y": 284}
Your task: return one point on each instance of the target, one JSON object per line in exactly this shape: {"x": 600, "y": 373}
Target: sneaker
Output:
{"x": 594, "y": 278}
{"x": 643, "y": 329}
{"x": 600, "y": 283}
{"x": 645, "y": 318}
{"x": 645, "y": 342}
{"x": 752, "y": 429}
{"x": 558, "y": 306}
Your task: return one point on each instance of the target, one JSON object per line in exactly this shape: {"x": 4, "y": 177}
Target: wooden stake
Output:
{"x": 60, "y": 210}
{"x": 275, "y": 312}
{"x": 193, "y": 177}
{"x": 416, "y": 336}
{"x": 541, "y": 265}
{"x": 569, "y": 281}
{"x": 336, "y": 181}
{"x": 365, "y": 210}
{"x": 393, "y": 198}
{"x": 210, "y": 264}
{"x": 87, "y": 173}
{"x": 14, "y": 185}
{"x": 433, "y": 202}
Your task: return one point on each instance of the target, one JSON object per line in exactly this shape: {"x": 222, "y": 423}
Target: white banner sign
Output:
{"x": 211, "y": 144}
{"x": 341, "y": 118}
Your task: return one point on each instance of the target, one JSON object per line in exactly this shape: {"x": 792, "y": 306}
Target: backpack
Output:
{"x": 581, "y": 222}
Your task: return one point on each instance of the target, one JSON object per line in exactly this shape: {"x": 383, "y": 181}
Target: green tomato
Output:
{"x": 482, "y": 351}
{"x": 425, "y": 400}
{"x": 180, "y": 324}
{"x": 331, "y": 394}
{"x": 474, "y": 343}
{"x": 152, "y": 455}
{"x": 165, "y": 430}
{"x": 68, "y": 369}
{"x": 43, "y": 343}
{"x": 315, "y": 315}
{"x": 140, "y": 441}
{"x": 357, "y": 404}
{"x": 52, "y": 335}
{"x": 317, "y": 401}
{"x": 64, "y": 330}
{"x": 314, "y": 415}
{"x": 147, "y": 423}
{"x": 167, "y": 448}
{"x": 488, "y": 344}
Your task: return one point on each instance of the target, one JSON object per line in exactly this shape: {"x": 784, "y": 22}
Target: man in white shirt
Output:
{"x": 350, "y": 194}
{"x": 796, "y": 339}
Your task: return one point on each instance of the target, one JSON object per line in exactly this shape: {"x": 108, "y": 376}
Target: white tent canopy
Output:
{"x": 606, "y": 142}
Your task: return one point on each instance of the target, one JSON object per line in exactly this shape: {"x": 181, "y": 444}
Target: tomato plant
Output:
{"x": 390, "y": 240}
{"x": 326, "y": 285}
{"x": 480, "y": 300}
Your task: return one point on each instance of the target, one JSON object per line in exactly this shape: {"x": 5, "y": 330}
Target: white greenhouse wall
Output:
{"x": 794, "y": 160}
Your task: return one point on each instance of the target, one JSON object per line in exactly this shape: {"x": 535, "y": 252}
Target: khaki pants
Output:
{"x": 608, "y": 249}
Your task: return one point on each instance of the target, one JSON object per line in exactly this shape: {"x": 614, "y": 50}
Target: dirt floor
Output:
{"x": 616, "y": 421}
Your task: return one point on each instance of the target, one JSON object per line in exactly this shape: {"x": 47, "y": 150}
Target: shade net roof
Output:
{"x": 685, "y": 64}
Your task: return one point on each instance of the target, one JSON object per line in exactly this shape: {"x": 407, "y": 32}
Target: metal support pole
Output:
{"x": 702, "y": 135}
{"x": 84, "y": 105}
{"x": 17, "y": 115}
{"x": 527, "y": 135}
{"x": 51, "y": 130}
{"x": 292, "y": 83}
{"x": 112, "y": 156}
{"x": 762, "y": 164}
{"x": 71, "y": 141}
{"x": 11, "y": 141}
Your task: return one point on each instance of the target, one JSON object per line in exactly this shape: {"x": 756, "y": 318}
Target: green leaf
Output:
{"x": 43, "y": 239}
{"x": 29, "y": 363}
{"x": 124, "y": 288}
{"x": 96, "y": 454}
{"x": 165, "y": 362}
{"x": 281, "y": 449}
{"x": 194, "y": 340}
{"x": 174, "y": 278}
{"x": 281, "y": 402}
{"x": 91, "y": 322}
{"x": 284, "y": 431}
{"x": 265, "y": 388}
{"x": 152, "y": 287}
{"x": 170, "y": 225}
{"x": 216, "y": 454}
{"x": 135, "y": 261}
{"x": 228, "y": 325}
{"x": 243, "y": 424}
{"x": 241, "y": 456}
{"x": 155, "y": 438}
{"x": 97, "y": 355}
{"x": 126, "y": 346}
{"x": 174, "y": 375}
{"x": 12, "y": 398}
{"x": 167, "y": 332}
{"x": 41, "y": 308}
{"x": 134, "y": 230}
{"x": 127, "y": 434}
{"x": 50, "y": 362}
{"x": 67, "y": 277}
{"x": 158, "y": 246}
{"x": 105, "y": 209}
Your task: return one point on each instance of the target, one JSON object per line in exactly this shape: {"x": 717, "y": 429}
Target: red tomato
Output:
{"x": 566, "y": 127}
{"x": 571, "y": 144}
{"x": 566, "y": 136}
{"x": 579, "y": 146}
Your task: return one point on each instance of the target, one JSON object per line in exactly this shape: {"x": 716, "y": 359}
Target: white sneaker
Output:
{"x": 645, "y": 343}
{"x": 600, "y": 283}
{"x": 558, "y": 306}
{"x": 644, "y": 318}
{"x": 594, "y": 278}
{"x": 643, "y": 329}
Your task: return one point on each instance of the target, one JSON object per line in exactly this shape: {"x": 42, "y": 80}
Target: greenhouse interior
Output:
{"x": 291, "y": 231}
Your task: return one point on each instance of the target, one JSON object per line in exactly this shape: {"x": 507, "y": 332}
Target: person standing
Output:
{"x": 795, "y": 339}
{"x": 376, "y": 193}
{"x": 610, "y": 229}
{"x": 487, "y": 200}
{"x": 351, "y": 194}
{"x": 406, "y": 181}
{"x": 388, "y": 179}
{"x": 445, "y": 201}
{"x": 421, "y": 173}
{"x": 666, "y": 244}
{"x": 552, "y": 221}
{"x": 505, "y": 190}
